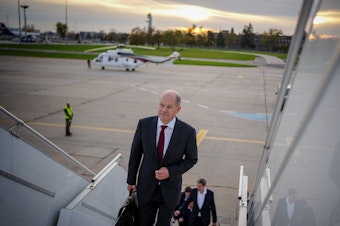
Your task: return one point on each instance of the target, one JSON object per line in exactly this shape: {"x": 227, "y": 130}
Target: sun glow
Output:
{"x": 193, "y": 13}
{"x": 319, "y": 20}
{"x": 332, "y": 17}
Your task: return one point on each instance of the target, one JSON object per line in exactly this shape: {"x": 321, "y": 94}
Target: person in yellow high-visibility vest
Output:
{"x": 68, "y": 113}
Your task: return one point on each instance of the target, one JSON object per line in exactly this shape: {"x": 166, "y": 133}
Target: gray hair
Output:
{"x": 202, "y": 181}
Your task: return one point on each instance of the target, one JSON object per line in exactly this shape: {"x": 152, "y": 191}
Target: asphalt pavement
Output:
{"x": 229, "y": 107}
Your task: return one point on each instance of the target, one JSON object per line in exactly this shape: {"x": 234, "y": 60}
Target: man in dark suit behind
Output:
{"x": 288, "y": 210}
{"x": 203, "y": 205}
{"x": 160, "y": 175}
{"x": 183, "y": 218}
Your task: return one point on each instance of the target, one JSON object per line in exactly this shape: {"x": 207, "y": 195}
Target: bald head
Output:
{"x": 172, "y": 94}
{"x": 169, "y": 106}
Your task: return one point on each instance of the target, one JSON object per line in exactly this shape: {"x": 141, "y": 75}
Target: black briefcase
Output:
{"x": 128, "y": 213}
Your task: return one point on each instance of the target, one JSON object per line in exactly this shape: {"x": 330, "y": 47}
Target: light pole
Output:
{"x": 19, "y": 22}
{"x": 25, "y": 7}
{"x": 149, "y": 20}
{"x": 66, "y": 12}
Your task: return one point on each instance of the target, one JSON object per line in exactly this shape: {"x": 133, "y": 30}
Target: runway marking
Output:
{"x": 83, "y": 127}
{"x": 240, "y": 115}
{"x": 202, "y": 106}
{"x": 200, "y": 136}
{"x": 249, "y": 116}
{"x": 297, "y": 155}
{"x": 235, "y": 140}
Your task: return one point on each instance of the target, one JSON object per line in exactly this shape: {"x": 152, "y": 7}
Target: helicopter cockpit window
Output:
{"x": 99, "y": 59}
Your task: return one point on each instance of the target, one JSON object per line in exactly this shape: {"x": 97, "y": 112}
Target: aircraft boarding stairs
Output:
{"x": 43, "y": 185}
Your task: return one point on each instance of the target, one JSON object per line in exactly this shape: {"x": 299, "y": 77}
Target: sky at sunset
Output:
{"x": 124, "y": 15}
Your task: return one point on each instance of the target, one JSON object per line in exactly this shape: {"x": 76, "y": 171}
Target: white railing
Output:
{"x": 242, "y": 198}
{"x": 21, "y": 130}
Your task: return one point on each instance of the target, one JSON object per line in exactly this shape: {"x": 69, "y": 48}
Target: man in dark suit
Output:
{"x": 183, "y": 218}
{"x": 160, "y": 174}
{"x": 288, "y": 211}
{"x": 203, "y": 205}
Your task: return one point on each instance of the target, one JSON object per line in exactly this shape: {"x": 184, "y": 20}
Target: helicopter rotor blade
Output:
{"x": 101, "y": 48}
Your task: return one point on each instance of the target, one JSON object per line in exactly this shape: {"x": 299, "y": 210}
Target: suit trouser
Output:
{"x": 148, "y": 211}
{"x": 68, "y": 125}
{"x": 197, "y": 221}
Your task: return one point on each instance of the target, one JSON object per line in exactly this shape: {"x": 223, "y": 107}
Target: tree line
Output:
{"x": 271, "y": 40}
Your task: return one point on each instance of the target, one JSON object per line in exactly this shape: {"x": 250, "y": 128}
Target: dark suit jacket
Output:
{"x": 280, "y": 217}
{"x": 207, "y": 208}
{"x": 180, "y": 156}
{"x": 181, "y": 200}
{"x": 185, "y": 212}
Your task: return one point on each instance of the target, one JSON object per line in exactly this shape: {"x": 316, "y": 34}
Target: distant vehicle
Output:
{"x": 127, "y": 59}
{"x": 25, "y": 36}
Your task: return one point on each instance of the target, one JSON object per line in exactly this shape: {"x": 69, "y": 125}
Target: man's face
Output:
{"x": 292, "y": 198}
{"x": 200, "y": 187}
{"x": 167, "y": 108}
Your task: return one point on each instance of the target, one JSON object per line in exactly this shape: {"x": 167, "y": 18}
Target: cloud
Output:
{"x": 92, "y": 15}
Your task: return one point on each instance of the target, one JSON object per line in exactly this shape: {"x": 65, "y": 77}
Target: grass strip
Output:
{"x": 77, "y": 51}
{"x": 25, "y": 53}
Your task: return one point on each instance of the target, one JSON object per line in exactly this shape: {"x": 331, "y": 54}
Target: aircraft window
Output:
{"x": 100, "y": 59}
{"x": 135, "y": 61}
{"x": 116, "y": 59}
{"x": 110, "y": 59}
{"x": 127, "y": 59}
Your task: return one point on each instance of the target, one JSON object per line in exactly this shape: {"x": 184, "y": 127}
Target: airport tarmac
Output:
{"x": 229, "y": 107}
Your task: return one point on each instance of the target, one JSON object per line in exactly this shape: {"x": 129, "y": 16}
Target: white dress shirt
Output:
{"x": 200, "y": 199}
{"x": 290, "y": 208}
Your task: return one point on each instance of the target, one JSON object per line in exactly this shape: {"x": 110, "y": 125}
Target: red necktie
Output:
{"x": 160, "y": 146}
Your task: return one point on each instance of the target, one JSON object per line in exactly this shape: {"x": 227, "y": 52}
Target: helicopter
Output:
{"x": 123, "y": 57}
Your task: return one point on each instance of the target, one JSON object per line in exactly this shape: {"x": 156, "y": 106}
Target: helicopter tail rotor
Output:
{"x": 176, "y": 52}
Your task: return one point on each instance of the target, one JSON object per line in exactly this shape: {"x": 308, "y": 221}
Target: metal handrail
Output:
{"x": 107, "y": 168}
{"x": 20, "y": 123}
